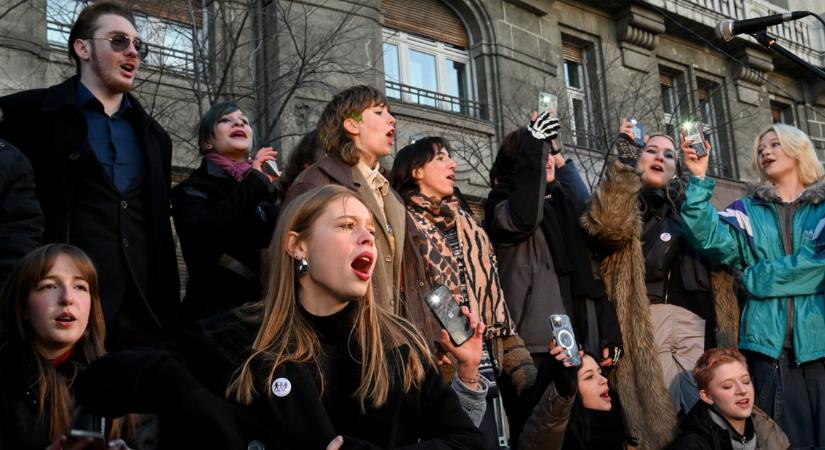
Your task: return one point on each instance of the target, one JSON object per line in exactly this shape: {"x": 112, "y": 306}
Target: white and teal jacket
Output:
{"x": 747, "y": 236}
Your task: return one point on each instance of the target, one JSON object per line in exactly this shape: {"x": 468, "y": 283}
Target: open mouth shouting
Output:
{"x": 605, "y": 396}
{"x": 362, "y": 265}
{"x": 391, "y": 136}
{"x": 767, "y": 162}
{"x": 128, "y": 69}
{"x": 238, "y": 134}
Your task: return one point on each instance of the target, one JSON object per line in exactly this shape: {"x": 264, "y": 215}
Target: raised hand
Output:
{"x": 544, "y": 126}
{"x": 695, "y": 164}
{"x": 264, "y": 154}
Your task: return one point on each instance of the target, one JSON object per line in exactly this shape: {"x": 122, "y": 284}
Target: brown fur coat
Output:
{"x": 614, "y": 218}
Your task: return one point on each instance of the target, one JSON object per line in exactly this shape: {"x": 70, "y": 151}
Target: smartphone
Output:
{"x": 87, "y": 426}
{"x": 448, "y": 312}
{"x": 695, "y": 132}
{"x": 563, "y": 332}
{"x": 638, "y": 132}
{"x": 271, "y": 168}
{"x": 548, "y": 102}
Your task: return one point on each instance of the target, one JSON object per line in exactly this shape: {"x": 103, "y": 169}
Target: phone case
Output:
{"x": 448, "y": 312}
{"x": 563, "y": 332}
{"x": 548, "y": 102}
{"x": 271, "y": 167}
{"x": 695, "y": 132}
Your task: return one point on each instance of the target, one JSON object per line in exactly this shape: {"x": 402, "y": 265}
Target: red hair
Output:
{"x": 710, "y": 360}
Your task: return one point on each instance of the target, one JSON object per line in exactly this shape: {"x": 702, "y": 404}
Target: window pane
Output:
{"x": 392, "y": 72}
{"x": 572, "y": 74}
{"x": 580, "y": 122}
{"x": 667, "y": 99}
{"x": 422, "y": 75}
{"x": 178, "y": 43}
{"x": 60, "y": 15}
{"x": 456, "y": 83}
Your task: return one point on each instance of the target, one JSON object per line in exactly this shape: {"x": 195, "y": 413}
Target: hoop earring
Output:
{"x": 302, "y": 267}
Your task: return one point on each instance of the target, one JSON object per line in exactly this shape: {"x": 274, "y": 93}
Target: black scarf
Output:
{"x": 568, "y": 247}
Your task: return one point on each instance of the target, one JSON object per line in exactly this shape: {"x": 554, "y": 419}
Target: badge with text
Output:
{"x": 281, "y": 387}
{"x": 665, "y": 237}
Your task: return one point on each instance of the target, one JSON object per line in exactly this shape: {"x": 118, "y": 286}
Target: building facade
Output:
{"x": 468, "y": 70}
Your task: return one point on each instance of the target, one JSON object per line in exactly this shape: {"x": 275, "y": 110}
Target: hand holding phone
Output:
{"x": 694, "y": 132}
{"x": 565, "y": 338}
{"x": 448, "y": 312}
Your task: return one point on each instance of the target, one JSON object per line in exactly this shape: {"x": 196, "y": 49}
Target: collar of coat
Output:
{"x": 64, "y": 95}
{"x": 765, "y": 192}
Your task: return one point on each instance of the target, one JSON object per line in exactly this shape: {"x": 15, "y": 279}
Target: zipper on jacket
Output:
{"x": 667, "y": 284}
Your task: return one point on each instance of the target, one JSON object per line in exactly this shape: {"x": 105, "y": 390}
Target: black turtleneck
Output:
{"x": 341, "y": 369}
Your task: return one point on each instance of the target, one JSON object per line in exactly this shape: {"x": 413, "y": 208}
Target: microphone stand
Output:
{"x": 769, "y": 41}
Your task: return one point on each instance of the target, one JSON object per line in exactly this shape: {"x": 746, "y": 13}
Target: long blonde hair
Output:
{"x": 796, "y": 145}
{"x": 286, "y": 336}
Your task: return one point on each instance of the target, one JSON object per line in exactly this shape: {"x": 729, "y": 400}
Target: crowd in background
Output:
{"x": 343, "y": 305}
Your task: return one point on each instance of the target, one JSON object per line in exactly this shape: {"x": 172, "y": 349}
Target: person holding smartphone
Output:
{"x": 456, "y": 252}
{"x": 329, "y": 367}
{"x": 575, "y": 407}
{"x": 774, "y": 236}
{"x": 224, "y": 214}
{"x": 671, "y": 303}
{"x": 532, "y": 217}
{"x": 51, "y": 328}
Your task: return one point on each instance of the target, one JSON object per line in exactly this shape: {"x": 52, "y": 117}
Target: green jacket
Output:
{"x": 747, "y": 237}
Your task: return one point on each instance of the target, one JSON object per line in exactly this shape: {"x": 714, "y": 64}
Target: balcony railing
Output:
{"x": 435, "y": 100}
{"x": 161, "y": 58}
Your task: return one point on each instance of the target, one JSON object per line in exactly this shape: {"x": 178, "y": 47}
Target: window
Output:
{"x": 712, "y": 114}
{"x": 782, "y": 113}
{"x": 671, "y": 87}
{"x": 170, "y": 42}
{"x": 577, "y": 91}
{"x": 427, "y": 65}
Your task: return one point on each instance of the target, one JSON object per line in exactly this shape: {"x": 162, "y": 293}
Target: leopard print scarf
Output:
{"x": 485, "y": 296}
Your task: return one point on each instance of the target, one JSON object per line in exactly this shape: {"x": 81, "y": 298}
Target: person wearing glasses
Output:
{"x": 102, "y": 169}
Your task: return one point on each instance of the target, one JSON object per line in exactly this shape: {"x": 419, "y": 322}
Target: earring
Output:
{"x": 303, "y": 266}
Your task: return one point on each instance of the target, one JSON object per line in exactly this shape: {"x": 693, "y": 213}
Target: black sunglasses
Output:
{"x": 120, "y": 42}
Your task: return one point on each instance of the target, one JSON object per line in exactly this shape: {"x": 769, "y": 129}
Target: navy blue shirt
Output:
{"x": 113, "y": 139}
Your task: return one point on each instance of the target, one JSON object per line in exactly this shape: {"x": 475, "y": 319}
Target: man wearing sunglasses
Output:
{"x": 102, "y": 171}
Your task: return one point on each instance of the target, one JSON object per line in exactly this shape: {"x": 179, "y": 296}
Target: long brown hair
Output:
{"x": 286, "y": 336}
{"x": 52, "y": 387}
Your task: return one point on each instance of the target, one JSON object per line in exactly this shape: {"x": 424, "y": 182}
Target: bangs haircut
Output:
{"x": 347, "y": 104}
{"x": 411, "y": 157}
{"x": 710, "y": 360}
{"x": 209, "y": 122}
{"x": 797, "y": 146}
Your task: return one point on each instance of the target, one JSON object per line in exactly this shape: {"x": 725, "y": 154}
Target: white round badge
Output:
{"x": 281, "y": 387}
{"x": 665, "y": 237}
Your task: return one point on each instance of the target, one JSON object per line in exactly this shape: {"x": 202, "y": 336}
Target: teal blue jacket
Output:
{"x": 746, "y": 236}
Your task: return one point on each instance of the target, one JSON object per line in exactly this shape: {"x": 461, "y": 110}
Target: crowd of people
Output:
{"x": 314, "y": 316}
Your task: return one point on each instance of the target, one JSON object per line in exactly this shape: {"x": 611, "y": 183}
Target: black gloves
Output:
{"x": 545, "y": 127}
{"x": 628, "y": 150}
{"x": 564, "y": 378}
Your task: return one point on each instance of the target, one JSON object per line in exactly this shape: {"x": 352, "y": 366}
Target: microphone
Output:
{"x": 728, "y": 28}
